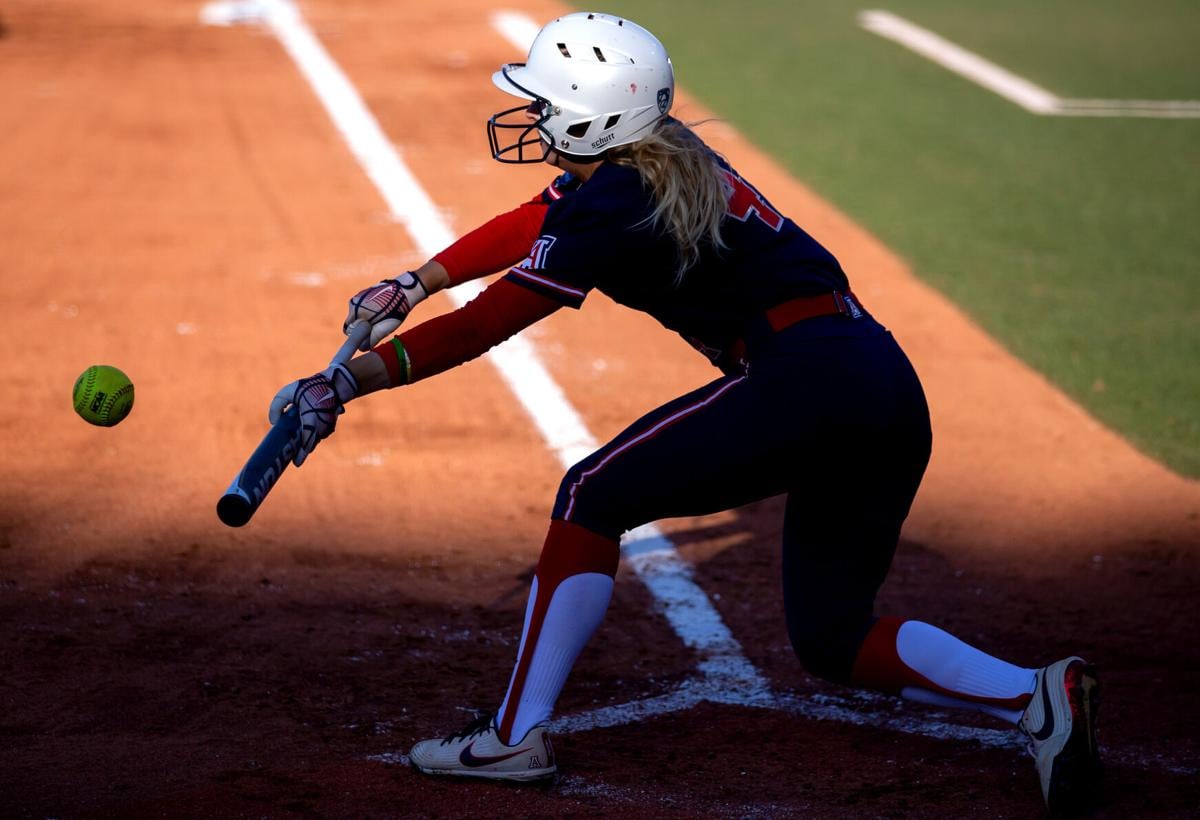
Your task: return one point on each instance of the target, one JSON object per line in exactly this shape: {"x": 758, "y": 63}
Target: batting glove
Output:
{"x": 384, "y": 306}
{"x": 320, "y": 399}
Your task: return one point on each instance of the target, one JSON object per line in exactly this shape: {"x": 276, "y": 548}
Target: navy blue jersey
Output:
{"x": 600, "y": 235}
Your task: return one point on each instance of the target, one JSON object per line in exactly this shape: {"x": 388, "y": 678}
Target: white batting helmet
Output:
{"x": 595, "y": 81}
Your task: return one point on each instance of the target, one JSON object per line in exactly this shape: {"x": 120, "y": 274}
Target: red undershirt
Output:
{"x": 501, "y": 311}
{"x": 496, "y": 245}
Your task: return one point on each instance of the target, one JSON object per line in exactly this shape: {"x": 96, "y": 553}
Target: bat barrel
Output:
{"x": 267, "y": 463}
{"x": 264, "y": 467}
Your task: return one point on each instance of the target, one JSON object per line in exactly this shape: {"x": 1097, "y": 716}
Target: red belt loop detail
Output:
{"x": 840, "y": 302}
{"x": 785, "y": 315}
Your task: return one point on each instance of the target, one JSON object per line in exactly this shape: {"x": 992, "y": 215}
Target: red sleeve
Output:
{"x": 501, "y": 311}
{"x": 495, "y": 245}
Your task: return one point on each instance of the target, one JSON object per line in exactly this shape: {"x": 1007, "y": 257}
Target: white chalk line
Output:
{"x": 518, "y": 28}
{"x": 727, "y": 676}
{"x": 864, "y": 710}
{"x": 1010, "y": 86}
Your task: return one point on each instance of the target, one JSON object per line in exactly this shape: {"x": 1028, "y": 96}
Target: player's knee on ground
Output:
{"x": 827, "y": 646}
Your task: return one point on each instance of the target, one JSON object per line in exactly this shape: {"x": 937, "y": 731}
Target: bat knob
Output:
{"x": 234, "y": 509}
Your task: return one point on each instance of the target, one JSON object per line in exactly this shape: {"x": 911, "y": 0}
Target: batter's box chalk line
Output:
{"x": 725, "y": 675}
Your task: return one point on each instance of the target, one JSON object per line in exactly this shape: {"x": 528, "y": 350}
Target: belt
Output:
{"x": 779, "y": 318}
{"x": 784, "y": 315}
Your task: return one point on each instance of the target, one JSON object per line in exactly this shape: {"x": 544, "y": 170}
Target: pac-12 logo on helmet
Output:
{"x": 664, "y": 100}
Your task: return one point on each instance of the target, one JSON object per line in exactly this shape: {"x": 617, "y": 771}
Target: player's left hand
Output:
{"x": 320, "y": 399}
{"x": 384, "y": 306}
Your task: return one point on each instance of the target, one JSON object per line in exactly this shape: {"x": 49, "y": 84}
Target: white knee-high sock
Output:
{"x": 575, "y": 610}
{"x": 923, "y": 663}
{"x": 567, "y": 602}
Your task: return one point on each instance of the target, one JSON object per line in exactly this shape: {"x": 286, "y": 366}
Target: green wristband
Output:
{"x": 405, "y": 362}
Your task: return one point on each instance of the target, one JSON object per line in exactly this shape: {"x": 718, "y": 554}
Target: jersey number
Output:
{"x": 745, "y": 201}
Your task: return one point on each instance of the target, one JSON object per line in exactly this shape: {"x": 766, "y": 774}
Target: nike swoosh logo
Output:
{"x": 1047, "y": 727}
{"x": 473, "y": 761}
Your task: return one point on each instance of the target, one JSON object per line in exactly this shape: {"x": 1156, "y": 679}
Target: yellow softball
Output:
{"x": 103, "y": 395}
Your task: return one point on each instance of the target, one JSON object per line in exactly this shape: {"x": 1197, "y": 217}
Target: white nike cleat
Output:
{"x": 1060, "y": 723}
{"x": 476, "y": 751}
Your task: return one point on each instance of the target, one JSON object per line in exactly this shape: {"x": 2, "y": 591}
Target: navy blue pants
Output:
{"x": 830, "y": 413}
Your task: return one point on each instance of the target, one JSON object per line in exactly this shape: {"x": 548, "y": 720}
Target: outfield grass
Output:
{"x": 1074, "y": 241}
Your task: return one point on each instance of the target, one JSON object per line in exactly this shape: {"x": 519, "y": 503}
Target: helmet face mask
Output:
{"x": 595, "y": 81}
{"x": 530, "y": 120}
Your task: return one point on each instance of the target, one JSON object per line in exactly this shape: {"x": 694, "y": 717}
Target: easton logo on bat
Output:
{"x": 270, "y": 475}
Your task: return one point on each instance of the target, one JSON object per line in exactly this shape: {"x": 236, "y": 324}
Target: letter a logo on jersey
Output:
{"x": 744, "y": 201}
{"x": 541, "y": 247}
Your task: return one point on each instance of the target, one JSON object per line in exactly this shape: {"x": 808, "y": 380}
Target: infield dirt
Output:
{"x": 176, "y": 203}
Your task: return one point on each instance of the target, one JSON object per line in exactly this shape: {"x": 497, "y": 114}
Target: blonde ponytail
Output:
{"x": 690, "y": 190}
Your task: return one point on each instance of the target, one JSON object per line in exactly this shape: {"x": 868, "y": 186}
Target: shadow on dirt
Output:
{"x": 145, "y": 682}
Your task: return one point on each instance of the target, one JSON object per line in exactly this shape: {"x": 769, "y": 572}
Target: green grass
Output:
{"x": 1101, "y": 48}
{"x": 1076, "y": 242}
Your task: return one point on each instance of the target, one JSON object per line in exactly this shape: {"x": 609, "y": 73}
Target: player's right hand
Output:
{"x": 384, "y": 306}
{"x": 320, "y": 399}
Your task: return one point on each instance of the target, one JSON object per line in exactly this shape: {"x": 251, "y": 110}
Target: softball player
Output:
{"x": 816, "y": 400}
